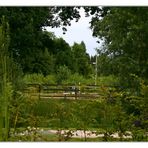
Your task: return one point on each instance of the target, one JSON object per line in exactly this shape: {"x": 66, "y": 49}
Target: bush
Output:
{"x": 39, "y": 79}
{"x": 34, "y": 78}
{"x": 63, "y": 73}
{"x": 75, "y": 79}
{"x": 108, "y": 80}
{"x": 49, "y": 79}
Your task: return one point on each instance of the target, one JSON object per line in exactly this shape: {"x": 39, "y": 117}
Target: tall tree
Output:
{"x": 125, "y": 35}
{"x": 63, "y": 54}
{"x": 81, "y": 59}
{"x": 27, "y": 25}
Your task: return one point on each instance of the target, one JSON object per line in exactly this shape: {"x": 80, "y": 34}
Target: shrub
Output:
{"x": 39, "y": 79}
{"x": 108, "y": 80}
{"x": 34, "y": 78}
{"x": 63, "y": 73}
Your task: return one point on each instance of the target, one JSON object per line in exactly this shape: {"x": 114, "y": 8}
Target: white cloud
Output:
{"x": 77, "y": 32}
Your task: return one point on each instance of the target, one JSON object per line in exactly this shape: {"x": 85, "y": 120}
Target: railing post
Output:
{"x": 39, "y": 91}
{"x": 75, "y": 92}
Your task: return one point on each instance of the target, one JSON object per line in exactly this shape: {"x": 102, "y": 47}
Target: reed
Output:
{"x": 5, "y": 85}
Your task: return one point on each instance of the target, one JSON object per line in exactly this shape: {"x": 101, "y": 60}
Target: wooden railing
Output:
{"x": 46, "y": 91}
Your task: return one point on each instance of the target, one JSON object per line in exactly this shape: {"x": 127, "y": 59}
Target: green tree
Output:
{"x": 81, "y": 59}
{"x": 43, "y": 62}
{"x": 104, "y": 64}
{"x": 27, "y": 30}
{"x": 124, "y": 33}
{"x": 63, "y": 73}
{"x": 63, "y": 54}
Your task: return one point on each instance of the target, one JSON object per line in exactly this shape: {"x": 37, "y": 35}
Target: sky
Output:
{"x": 77, "y": 32}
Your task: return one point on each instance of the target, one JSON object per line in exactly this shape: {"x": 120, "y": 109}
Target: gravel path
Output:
{"x": 74, "y": 134}
{"x": 89, "y": 134}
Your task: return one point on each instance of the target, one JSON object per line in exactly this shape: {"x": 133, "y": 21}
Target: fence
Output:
{"x": 46, "y": 91}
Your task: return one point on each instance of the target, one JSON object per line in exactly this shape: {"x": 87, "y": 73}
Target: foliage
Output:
{"x": 39, "y": 79}
{"x": 71, "y": 79}
{"x": 43, "y": 63}
{"x": 63, "y": 54}
{"x": 81, "y": 59}
{"x": 116, "y": 111}
{"x": 17, "y": 108}
{"x": 134, "y": 105}
{"x": 30, "y": 41}
{"x": 34, "y": 78}
{"x": 78, "y": 79}
{"x": 50, "y": 79}
{"x": 86, "y": 117}
{"x": 124, "y": 33}
{"x": 61, "y": 113}
{"x": 110, "y": 80}
{"x": 47, "y": 59}
{"x": 10, "y": 72}
{"x": 5, "y": 84}
{"x": 63, "y": 73}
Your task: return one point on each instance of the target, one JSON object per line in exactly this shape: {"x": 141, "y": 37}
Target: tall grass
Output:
{"x": 5, "y": 85}
{"x": 39, "y": 79}
{"x": 72, "y": 79}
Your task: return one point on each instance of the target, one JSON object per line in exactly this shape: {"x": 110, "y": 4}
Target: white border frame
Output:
{"x": 73, "y": 2}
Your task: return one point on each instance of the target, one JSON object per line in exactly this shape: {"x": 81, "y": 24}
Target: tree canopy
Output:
{"x": 123, "y": 32}
{"x": 26, "y": 45}
{"x": 30, "y": 41}
{"x": 125, "y": 36}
